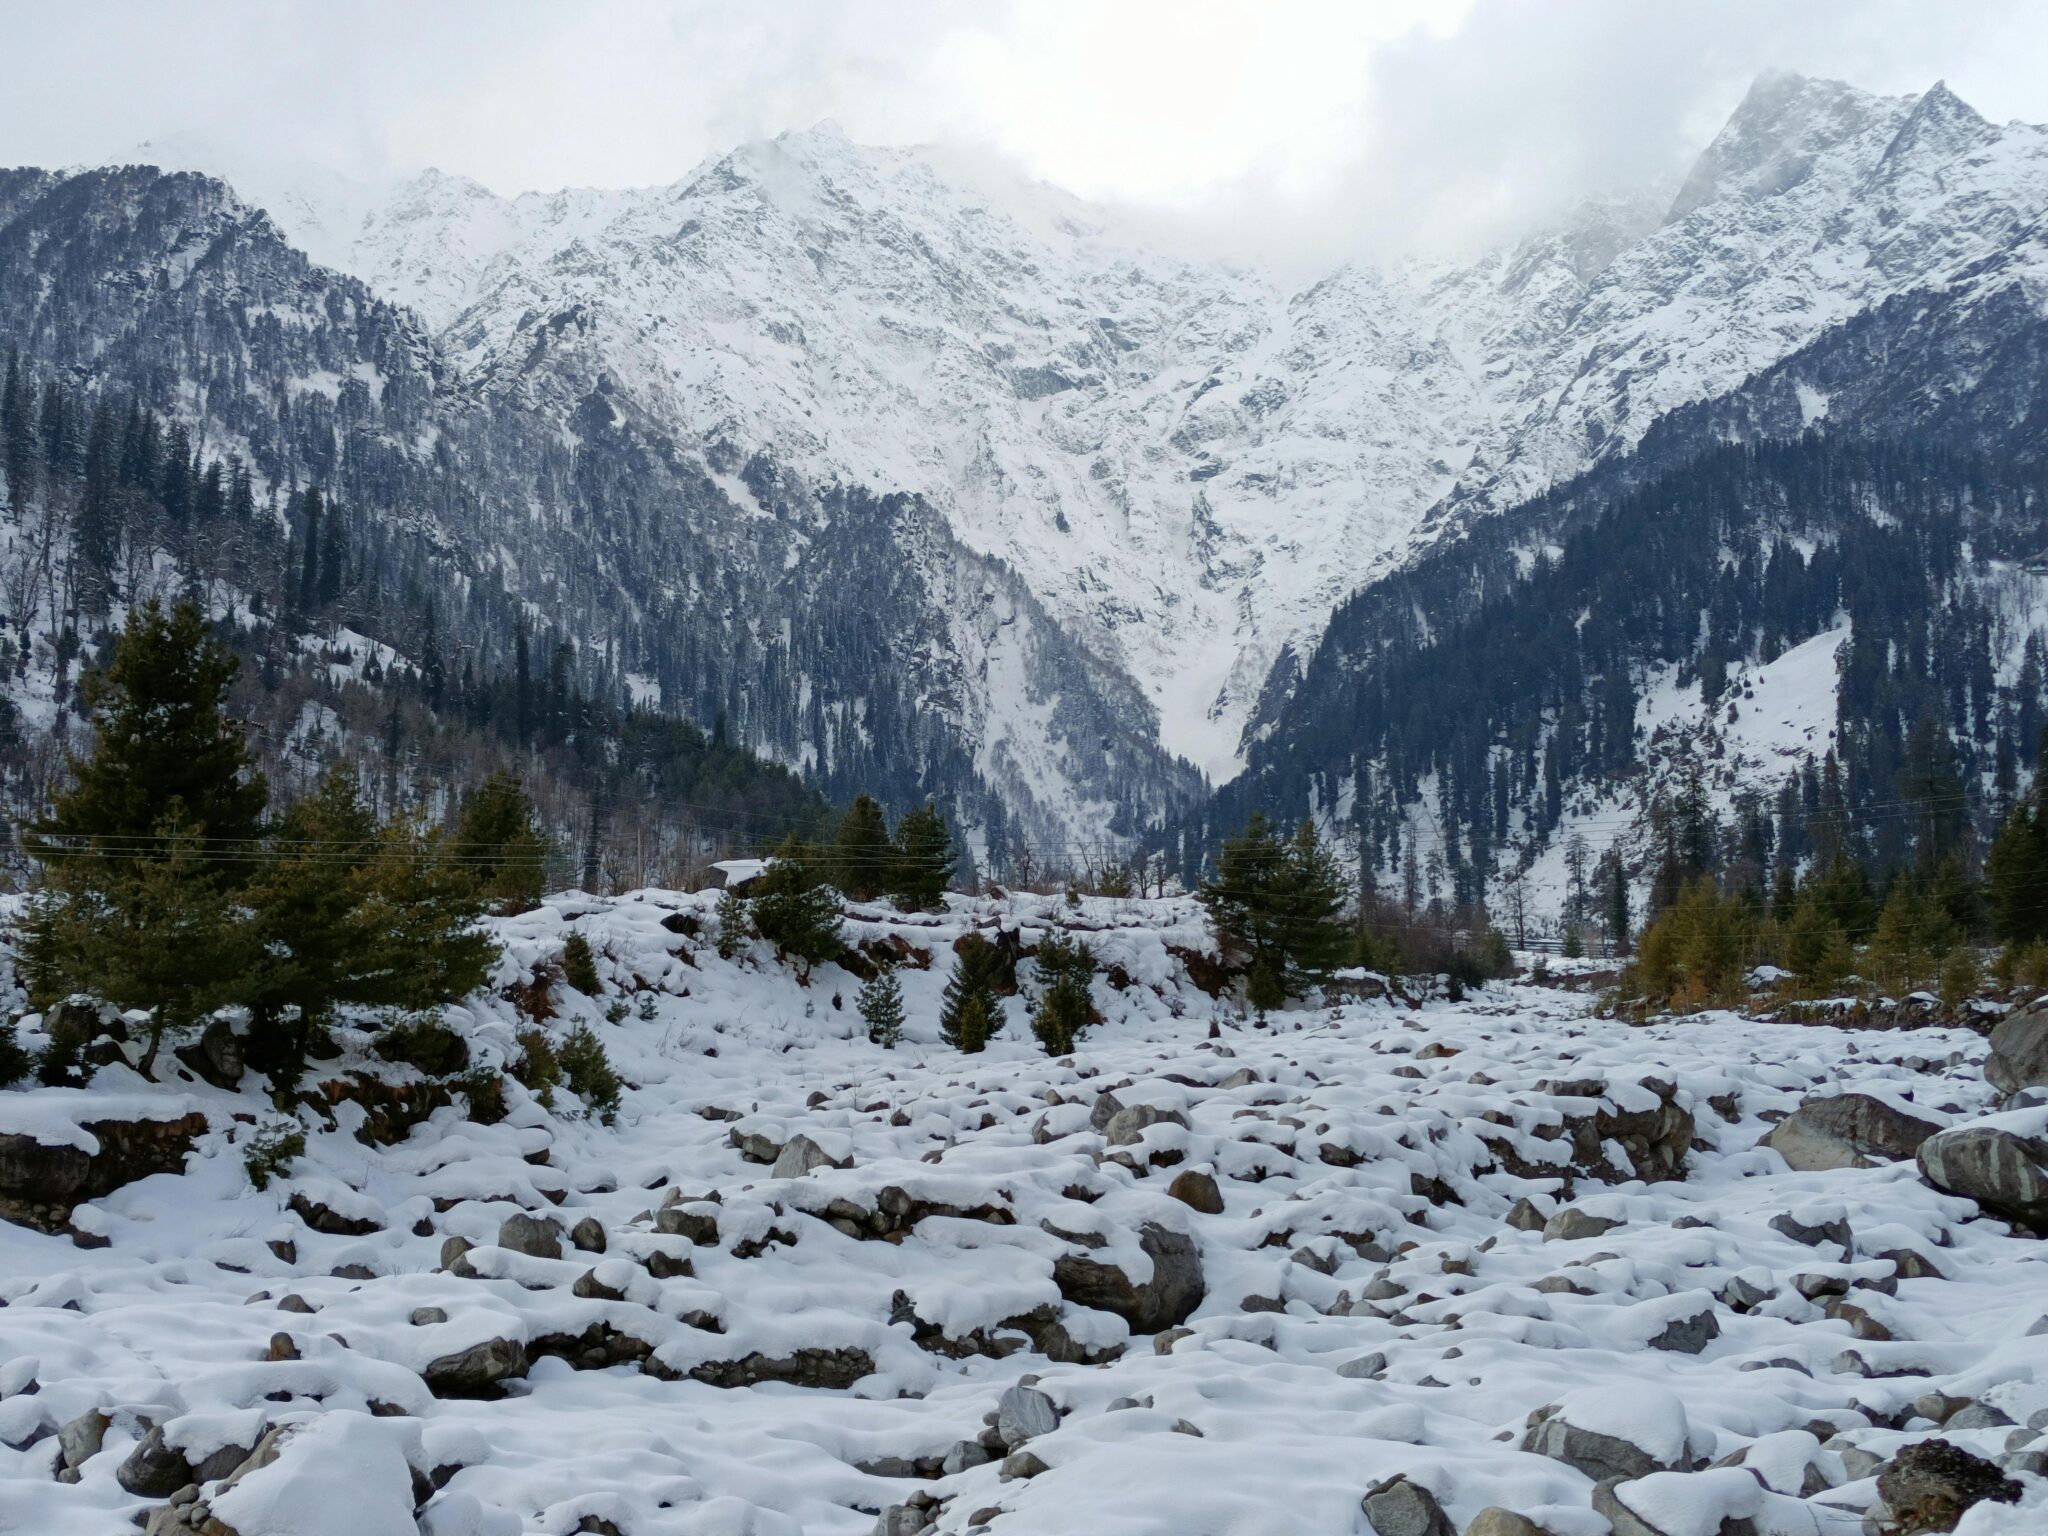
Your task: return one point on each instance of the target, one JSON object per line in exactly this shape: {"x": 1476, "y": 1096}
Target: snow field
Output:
{"x": 1368, "y": 1159}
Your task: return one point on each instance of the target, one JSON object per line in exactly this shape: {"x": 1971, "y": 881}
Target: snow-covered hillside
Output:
{"x": 1325, "y": 1272}
{"x": 1189, "y": 463}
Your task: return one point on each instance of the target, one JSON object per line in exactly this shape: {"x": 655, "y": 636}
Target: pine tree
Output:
{"x": 796, "y": 911}
{"x": 862, "y": 854}
{"x": 735, "y": 925}
{"x": 579, "y": 965}
{"x": 162, "y": 748}
{"x": 969, "y": 1011}
{"x": 1062, "y": 1011}
{"x": 1275, "y": 907}
{"x": 881, "y": 1006}
{"x": 496, "y": 841}
{"x": 144, "y": 852}
{"x": 17, "y": 434}
{"x": 924, "y": 860}
{"x": 1614, "y": 902}
{"x": 302, "y": 905}
{"x": 310, "y": 506}
{"x": 415, "y": 921}
{"x": 154, "y": 933}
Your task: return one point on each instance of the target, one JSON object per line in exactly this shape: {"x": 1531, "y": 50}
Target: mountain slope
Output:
{"x": 888, "y": 657}
{"x": 1190, "y": 465}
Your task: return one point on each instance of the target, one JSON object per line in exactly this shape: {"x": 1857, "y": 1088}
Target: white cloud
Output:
{"x": 1310, "y": 127}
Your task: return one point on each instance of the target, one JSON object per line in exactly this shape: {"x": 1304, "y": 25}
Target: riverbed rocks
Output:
{"x": 1847, "y": 1130}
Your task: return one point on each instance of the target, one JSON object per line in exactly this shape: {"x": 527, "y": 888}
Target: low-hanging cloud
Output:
{"x": 1305, "y": 131}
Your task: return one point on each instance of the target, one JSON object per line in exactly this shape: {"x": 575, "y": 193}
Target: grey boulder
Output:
{"x": 1847, "y": 1130}
{"x": 2006, "y": 1174}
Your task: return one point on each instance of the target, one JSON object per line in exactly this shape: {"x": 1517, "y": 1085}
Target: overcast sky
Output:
{"x": 1312, "y": 124}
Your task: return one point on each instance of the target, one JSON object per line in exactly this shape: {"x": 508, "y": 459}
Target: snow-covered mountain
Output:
{"x": 1189, "y": 463}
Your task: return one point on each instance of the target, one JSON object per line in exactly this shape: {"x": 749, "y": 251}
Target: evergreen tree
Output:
{"x": 162, "y": 749}
{"x": 145, "y": 849}
{"x": 497, "y": 843}
{"x": 17, "y": 434}
{"x": 969, "y": 1010}
{"x": 735, "y": 925}
{"x": 862, "y": 854}
{"x": 2016, "y": 874}
{"x": 416, "y": 920}
{"x": 881, "y": 1006}
{"x": 310, "y": 507}
{"x": 579, "y": 965}
{"x": 924, "y": 860}
{"x": 156, "y": 933}
{"x": 796, "y": 911}
{"x": 302, "y": 905}
{"x": 1275, "y": 907}
{"x": 1614, "y": 901}
{"x": 1062, "y": 1011}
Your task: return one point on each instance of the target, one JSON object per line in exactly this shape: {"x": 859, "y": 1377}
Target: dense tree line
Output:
{"x": 343, "y": 626}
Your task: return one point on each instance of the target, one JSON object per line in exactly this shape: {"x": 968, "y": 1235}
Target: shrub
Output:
{"x": 422, "y": 1040}
{"x": 579, "y": 965}
{"x": 538, "y": 1067}
{"x": 485, "y": 1092}
{"x": 588, "y": 1072}
{"x": 271, "y": 1151}
{"x": 70, "y": 1030}
{"x": 14, "y": 1057}
{"x": 735, "y": 925}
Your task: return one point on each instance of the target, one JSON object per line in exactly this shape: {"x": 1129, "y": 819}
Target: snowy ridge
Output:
{"x": 1189, "y": 464}
{"x": 792, "y": 1286}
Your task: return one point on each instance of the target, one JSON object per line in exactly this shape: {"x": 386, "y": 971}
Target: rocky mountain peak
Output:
{"x": 1770, "y": 144}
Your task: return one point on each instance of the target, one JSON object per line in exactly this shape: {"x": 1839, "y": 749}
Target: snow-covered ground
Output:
{"x": 1372, "y": 1300}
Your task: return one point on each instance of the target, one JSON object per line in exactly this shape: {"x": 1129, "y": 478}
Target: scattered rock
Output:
{"x": 2006, "y": 1174}
{"x": 588, "y": 1235}
{"x": 1495, "y": 1521}
{"x": 1197, "y": 1191}
{"x": 476, "y": 1371}
{"x": 835, "y": 1369}
{"x": 538, "y": 1237}
{"x": 1022, "y": 1464}
{"x": 1571, "y": 1224}
{"x": 1504, "y": 1522}
{"x": 1847, "y": 1130}
{"x": 153, "y": 1470}
{"x": 1127, "y": 1127}
{"x": 78, "y": 1442}
{"x": 1400, "y": 1507}
{"x": 1023, "y": 1413}
{"x": 1927, "y": 1487}
{"x": 697, "y": 1221}
{"x": 1821, "y": 1229}
{"x": 322, "y": 1217}
{"x": 1688, "y": 1335}
{"x": 2019, "y": 1050}
{"x": 1175, "y": 1289}
{"x": 800, "y": 1155}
